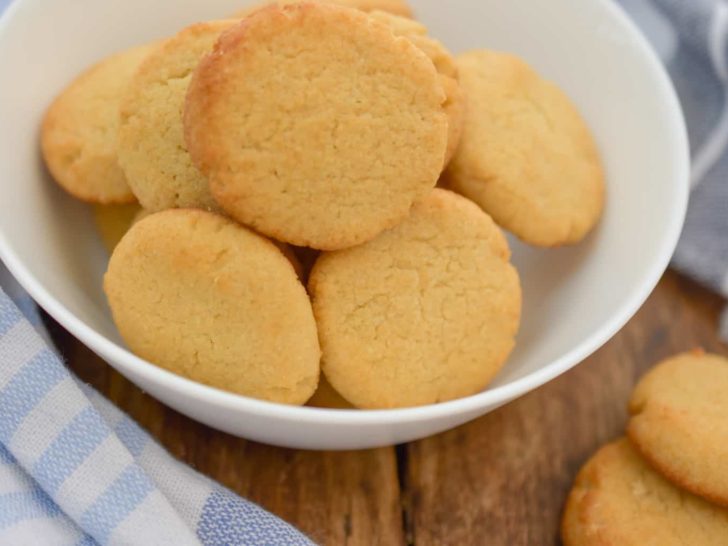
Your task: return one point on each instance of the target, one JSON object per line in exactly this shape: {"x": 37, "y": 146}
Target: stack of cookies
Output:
{"x": 284, "y": 163}
{"x": 667, "y": 483}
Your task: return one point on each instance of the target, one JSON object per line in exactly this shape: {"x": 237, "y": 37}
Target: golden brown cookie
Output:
{"x": 113, "y": 221}
{"x": 618, "y": 500}
{"x": 79, "y": 133}
{"x": 445, "y": 65}
{"x": 152, "y": 150}
{"x": 424, "y": 313}
{"x": 208, "y": 299}
{"x": 316, "y": 125}
{"x": 327, "y": 398}
{"x": 526, "y": 156}
{"x": 679, "y": 422}
{"x": 398, "y": 7}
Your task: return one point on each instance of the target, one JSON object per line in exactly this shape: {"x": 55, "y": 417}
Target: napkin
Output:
{"x": 74, "y": 470}
{"x": 691, "y": 37}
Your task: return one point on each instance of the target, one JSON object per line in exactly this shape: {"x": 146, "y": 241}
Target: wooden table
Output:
{"x": 500, "y": 480}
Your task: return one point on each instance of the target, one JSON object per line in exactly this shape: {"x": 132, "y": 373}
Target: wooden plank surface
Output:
{"x": 500, "y": 480}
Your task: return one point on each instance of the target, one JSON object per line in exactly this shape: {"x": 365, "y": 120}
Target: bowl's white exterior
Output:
{"x": 575, "y": 299}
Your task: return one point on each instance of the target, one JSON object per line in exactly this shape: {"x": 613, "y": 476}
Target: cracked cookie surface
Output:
{"x": 79, "y": 132}
{"x": 152, "y": 150}
{"x": 679, "y": 422}
{"x": 619, "y": 500}
{"x": 210, "y": 300}
{"x": 424, "y": 313}
{"x": 526, "y": 156}
{"x": 316, "y": 125}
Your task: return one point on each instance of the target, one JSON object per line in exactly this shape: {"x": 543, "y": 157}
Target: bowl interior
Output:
{"x": 574, "y": 298}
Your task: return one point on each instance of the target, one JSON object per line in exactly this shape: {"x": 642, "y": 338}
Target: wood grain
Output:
{"x": 347, "y": 498}
{"x": 500, "y": 480}
{"x": 506, "y": 475}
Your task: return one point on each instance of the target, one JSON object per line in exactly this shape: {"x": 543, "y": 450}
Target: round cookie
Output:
{"x": 208, "y": 299}
{"x": 398, "y": 7}
{"x": 526, "y": 156}
{"x": 79, "y": 132}
{"x": 618, "y": 500}
{"x": 679, "y": 422}
{"x": 315, "y": 125}
{"x": 152, "y": 150}
{"x": 113, "y": 221}
{"x": 445, "y": 65}
{"x": 424, "y": 313}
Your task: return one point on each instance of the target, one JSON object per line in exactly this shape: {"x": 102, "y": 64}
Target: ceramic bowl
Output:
{"x": 575, "y": 298}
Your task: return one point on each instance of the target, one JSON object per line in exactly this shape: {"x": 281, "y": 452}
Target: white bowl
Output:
{"x": 575, "y": 299}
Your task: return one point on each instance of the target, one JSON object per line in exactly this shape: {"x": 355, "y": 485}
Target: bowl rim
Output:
{"x": 124, "y": 361}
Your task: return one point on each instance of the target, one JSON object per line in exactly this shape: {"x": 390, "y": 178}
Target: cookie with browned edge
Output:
{"x": 210, "y": 300}
{"x": 424, "y": 313}
{"x": 526, "y": 156}
{"x": 619, "y": 500}
{"x": 152, "y": 149}
{"x": 679, "y": 422}
{"x": 79, "y": 132}
{"x": 316, "y": 125}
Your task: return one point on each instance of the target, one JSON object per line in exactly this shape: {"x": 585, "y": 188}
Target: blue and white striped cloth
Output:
{"x": 74, "y": 470}
{"x": 691, "y": 37}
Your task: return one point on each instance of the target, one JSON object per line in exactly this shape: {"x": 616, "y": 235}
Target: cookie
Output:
{"x": 619, "y": 500}
{"x": 113, "y": 221}
{"x": 326, "y": 397}
{"x": 398, "y": 7}
{"x": 445, "y": 65}
{"x": 526, "y": 156}
{"x": 79, "y": 132}
{"x": 679, "y": 422}
{"x": 152, "y": 150}
{"x": 210, "y": 300}
{"x": 315, "y": 125}
{"x": 424, "y": 313}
